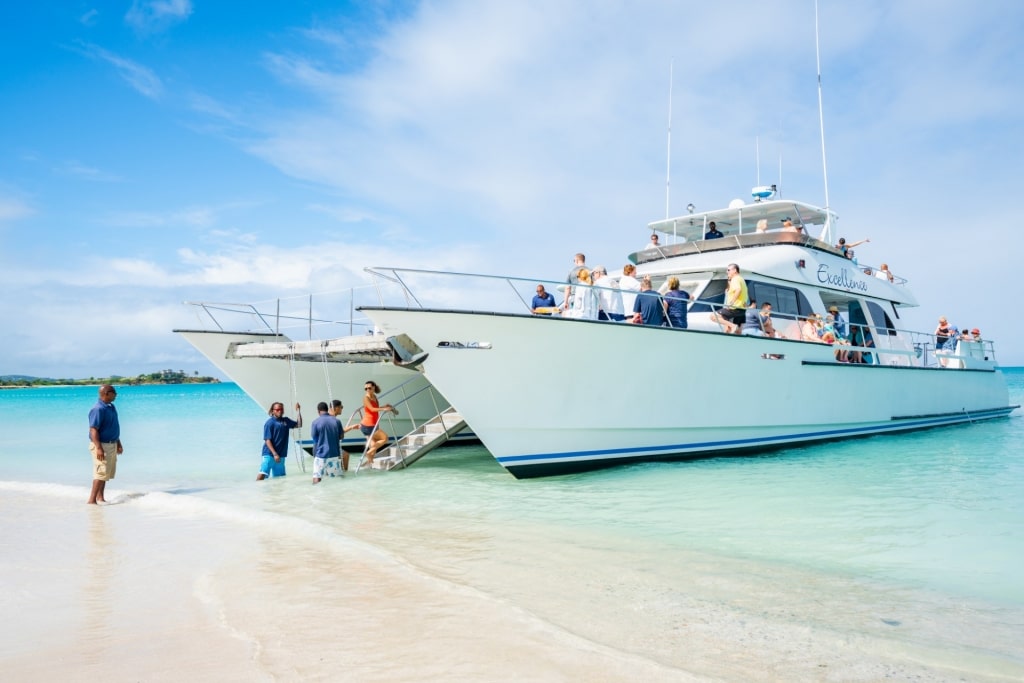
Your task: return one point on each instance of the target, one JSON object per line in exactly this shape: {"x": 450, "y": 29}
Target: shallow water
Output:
{"x": 891, "y": 556}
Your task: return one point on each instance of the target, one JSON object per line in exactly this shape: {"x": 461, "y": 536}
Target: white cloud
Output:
{"x": 139, "y": 77}
{"x": 77, "y": 168}
{"x": 90, "y": 18}
{"x": 155, "y": 16}
{"x": 12, "y": 209}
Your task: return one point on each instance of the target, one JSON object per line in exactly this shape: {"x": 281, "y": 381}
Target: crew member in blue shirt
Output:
{"x": 712, "y": 233}
{"x": 275, "y": 440}
{"x": 542, "y": 300}
{"x": 104, "y": 442}
{"x": 326, "y": 432}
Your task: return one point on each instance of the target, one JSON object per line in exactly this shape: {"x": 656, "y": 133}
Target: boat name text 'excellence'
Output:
{"x": 840, "y": 280}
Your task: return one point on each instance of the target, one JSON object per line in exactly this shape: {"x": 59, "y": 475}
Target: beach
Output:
{"x": 889, "y": 558}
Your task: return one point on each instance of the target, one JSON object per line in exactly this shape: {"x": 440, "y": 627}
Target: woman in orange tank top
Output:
{"x": 375, "y": 436}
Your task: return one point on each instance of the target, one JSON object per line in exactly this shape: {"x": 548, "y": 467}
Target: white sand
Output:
{"x": 160, "y": 589}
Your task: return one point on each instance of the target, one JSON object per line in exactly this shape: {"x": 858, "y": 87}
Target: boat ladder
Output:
{"x": 420, "y": 441}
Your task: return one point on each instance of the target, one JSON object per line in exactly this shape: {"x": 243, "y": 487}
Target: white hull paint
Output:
{"x": 549, "y": 395}
{"x": 267, "y": 380}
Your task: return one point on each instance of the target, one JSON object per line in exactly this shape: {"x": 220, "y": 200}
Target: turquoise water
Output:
{"x": 915, "y": 538}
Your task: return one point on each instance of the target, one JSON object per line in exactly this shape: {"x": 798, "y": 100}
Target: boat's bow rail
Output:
{"x": 407, "y": 288}
{"x": 322, "y": 315}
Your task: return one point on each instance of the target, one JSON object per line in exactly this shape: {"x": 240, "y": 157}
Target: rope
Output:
{"x": 327, "y": 374}
{"x": 300, "y": 454}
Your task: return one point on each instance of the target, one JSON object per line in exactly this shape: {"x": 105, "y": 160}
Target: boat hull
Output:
{"x": 266, "y": 380}
{"x": 553, "y": 395}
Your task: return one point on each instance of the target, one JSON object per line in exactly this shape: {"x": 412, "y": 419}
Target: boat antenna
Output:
{"x": 668, "y": 151}
{"x": 757, "y": 157}
{"x": 826, "y": 232}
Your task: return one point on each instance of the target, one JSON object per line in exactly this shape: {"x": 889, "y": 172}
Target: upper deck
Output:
{"x": 741, "y": 219}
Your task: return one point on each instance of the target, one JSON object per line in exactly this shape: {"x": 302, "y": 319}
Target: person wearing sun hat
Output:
{"x": 837, "y": 321}
{"x": 976, "y": 334}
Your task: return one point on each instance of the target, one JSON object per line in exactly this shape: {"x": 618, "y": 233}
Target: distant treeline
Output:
{"x": 160, "y": 377}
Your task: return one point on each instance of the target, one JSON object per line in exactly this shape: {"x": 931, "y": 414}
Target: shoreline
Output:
{"x": 98, "y": 383}
{"x": 265, "y": 594}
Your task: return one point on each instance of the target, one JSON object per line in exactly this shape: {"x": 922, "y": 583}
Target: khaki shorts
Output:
{"x": 104, "y": 470}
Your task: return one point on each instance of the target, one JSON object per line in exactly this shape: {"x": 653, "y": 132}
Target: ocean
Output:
{"x": 885, "y": 558}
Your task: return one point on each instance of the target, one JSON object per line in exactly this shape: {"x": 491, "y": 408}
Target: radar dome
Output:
{"x": 737, "y": 204}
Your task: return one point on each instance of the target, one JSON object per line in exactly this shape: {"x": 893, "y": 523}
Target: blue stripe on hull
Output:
{"x": 546, "y": 464}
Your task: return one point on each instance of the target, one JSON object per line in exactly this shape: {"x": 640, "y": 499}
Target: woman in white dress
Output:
{"x": 584, "y": 303}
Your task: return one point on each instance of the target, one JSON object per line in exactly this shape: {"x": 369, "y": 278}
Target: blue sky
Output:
{"x": 153, "y": 152}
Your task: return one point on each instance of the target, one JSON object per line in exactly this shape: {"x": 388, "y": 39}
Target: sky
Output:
{"x": 154, "y": 152}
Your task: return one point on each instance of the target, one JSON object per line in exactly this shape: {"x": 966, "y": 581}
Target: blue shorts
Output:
{"x": 270, "y": 468}
{"x": 366, "y": 430}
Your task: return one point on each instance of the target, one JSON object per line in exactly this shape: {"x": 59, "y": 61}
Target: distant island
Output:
{"x": 159, "y": 377}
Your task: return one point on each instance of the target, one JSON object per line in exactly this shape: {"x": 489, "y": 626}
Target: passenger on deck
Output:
{"x": 845, "y": 248}
{"x": 976, "y": 335}
{"x": 675, "y": 301}
{"x": 766, "y": 320}
{"x": 734, "y": 313}
{"x": 830, "y": 335}
{"x": 942, "y": 334}
{"x": 762, "y": 225}
{"x": 884, "y": 273}
{"x": 809, "y": 329}
{"x": 787, "y": 225}
{"x": 647, "y": 309}
{"x": 629, "y": 286}
{"x": 712, "y": 233}
{"x": 752, "y": 321}
{"x": 542, "y": 300}
{"x": 859, "y": 336}
{"x": 579, "y": 263}
{"x": 609, "y": 298}
{"x": 584, "y": 298}
{"x": 653, "y": 244}
{"x": 838, "y": 322}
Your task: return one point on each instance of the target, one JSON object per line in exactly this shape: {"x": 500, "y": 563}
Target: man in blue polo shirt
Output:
{"x": 104, "y": 442}
{"x": 647, "y": 309}
{"x": 542, "y": 300}
{"x": 326, "y": 433}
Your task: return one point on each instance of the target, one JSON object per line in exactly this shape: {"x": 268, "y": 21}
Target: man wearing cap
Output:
{"x": 976, "y": 335}
{"x": 787, "y": 225}
{"x": 104, "y": 442}
{"x": 712, "y": 233}
{"x": 609, "y": 298}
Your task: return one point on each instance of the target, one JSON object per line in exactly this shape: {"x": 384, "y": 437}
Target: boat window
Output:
{"x": 785, "y": 301}
{"x": 882, "y": 320}
{"x": 714, "y": 293}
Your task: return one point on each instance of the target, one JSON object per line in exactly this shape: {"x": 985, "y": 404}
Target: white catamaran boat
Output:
{"x": 269, "y": 366}
{"x": 550, "y": 394}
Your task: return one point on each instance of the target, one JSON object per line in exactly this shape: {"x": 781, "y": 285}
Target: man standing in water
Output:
{"x": 275, "y": 440}
{"x": 104, "y": 442}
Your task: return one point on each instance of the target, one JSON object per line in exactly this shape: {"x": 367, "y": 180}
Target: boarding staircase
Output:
{"x": 420, "y": 441}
